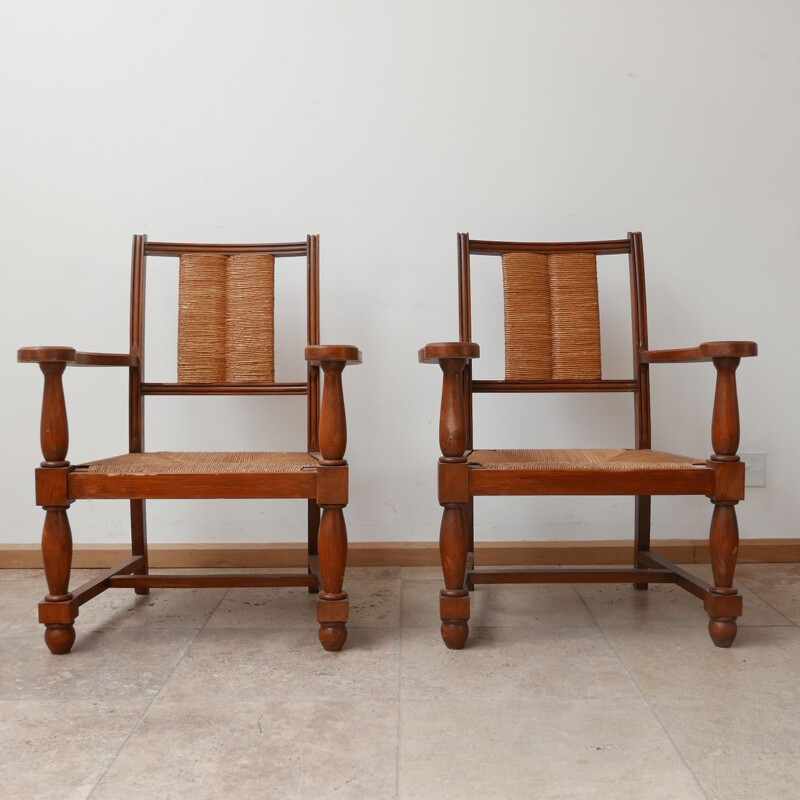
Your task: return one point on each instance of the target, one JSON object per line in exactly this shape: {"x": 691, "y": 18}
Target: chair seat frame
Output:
{"x": 721, "y": 478}
{"x": 59, "y": 483}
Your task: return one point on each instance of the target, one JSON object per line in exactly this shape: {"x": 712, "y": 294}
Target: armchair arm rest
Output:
{"x": 706, "y": 352}
{"x": 68, "y": 355}
{"x": 436, "y": 351}
{"x": 317, "y": 353}
{"x": 54, "y": 432}
{"x": 725, "y": 418}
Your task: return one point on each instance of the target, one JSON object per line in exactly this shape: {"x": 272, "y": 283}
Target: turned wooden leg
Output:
{"x": 332, "y": 605}
{"x": 726, "y": 604}
{"x": 454, "y": 598}
{"x": 57, "y": 556}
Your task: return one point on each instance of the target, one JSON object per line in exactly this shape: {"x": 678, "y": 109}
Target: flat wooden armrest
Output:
{"x": 729, "y": 349}
{"x": 317, "y": 353}
{"x": 68, "y": 355}
{"x": 436, "y": 351}
{"x": 706, "y": 352}
{"x": 39, "y": 355}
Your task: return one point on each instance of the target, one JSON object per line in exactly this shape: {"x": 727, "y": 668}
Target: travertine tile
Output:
{"x": 296, "y": 749}
{"x": 739, "y": 748}
{"x": 292, "y": 607}
{"x": 768, "y": 574}
{"x": 422, "y": 574}
{"x": 664, "y": 604}
{"x": 104, "y": 665}
{"x": 546, "y": 747}
{"x": 683, "y": 663}
{"x": 776, "y": 584}
{"x": 370, "y": 573}
{"x": 374, "y": 599}
{"x": 507, "y": 663}
{"x": 374, "y": 602}
{"x": 21, "y": 574}
{"x": 500, "y": 605}
{"x": 161, "y": 608}
{"x": 19, "y": 598}
{"x": 235, "y": 665}
{"x": 542, "y": 702}
{"x": 59, "y": 751}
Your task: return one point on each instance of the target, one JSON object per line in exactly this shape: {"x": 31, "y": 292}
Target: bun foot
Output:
{"x": 333, "y": 635}
{"x": 59, "y": 638}
{"x": 722, "y": 630}
{"x": 455, "y": 633}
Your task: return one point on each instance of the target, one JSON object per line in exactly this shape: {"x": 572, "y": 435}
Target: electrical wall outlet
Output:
{"x": 755, "y": 468}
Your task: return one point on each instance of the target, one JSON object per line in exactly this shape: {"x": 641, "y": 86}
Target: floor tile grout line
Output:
{"x": 158, "y": 694}
{"x": 645, "y": 698}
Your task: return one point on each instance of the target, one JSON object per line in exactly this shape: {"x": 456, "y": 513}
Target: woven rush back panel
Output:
{"x": 226, "y": 318}
{"x": 250, "y": 318}
{"x": 552, "y": 316}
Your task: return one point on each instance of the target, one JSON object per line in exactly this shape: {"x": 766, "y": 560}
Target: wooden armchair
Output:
{"x": 225, "y": 347}
{"x": 552, "y": 340}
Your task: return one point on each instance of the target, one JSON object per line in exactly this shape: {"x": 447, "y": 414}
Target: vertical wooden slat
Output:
{"x": 464, "y": 299}
{"x": 639, "y": 318}
{"x": 312, "y": 321}
{"x": 135, "y": 397}
{"x": 465, "y": 324}
{"x": 138, "y": 510}
{"x": 641, "y": 372}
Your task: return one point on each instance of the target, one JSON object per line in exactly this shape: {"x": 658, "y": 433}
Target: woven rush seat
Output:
{"x": 608, "y": 459}
{"x": 201, "y": 462}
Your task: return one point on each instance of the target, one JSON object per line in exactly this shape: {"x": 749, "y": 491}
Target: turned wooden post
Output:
{"x": 56, "y": 534}
{"x": 54, "y": 432}
{"x": 452, "y": 417}
{"x": 332, "y": 421}
{"x": 453, "y": 535}
{"x": 724, "y": 533}
{"x": 332, "y": 602}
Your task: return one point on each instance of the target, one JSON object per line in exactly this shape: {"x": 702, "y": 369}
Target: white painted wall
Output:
{"x": 386, "y": 128}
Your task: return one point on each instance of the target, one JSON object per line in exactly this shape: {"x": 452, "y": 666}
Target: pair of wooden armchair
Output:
{"x": 226, "y": 347}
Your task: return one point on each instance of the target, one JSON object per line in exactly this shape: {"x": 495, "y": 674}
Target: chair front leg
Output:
{"x": 54, "y": 610}
{"x": 454, "y": 497}
{"x": 454, "y": 598}
{"x": 724, "y": 604}
{"x": 51, "y": 490}
{"x": 332, "y": 494}
{"x": 333, "y": 604}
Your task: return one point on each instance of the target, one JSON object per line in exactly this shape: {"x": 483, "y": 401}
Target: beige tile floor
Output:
{"x": 594, "y": 691}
